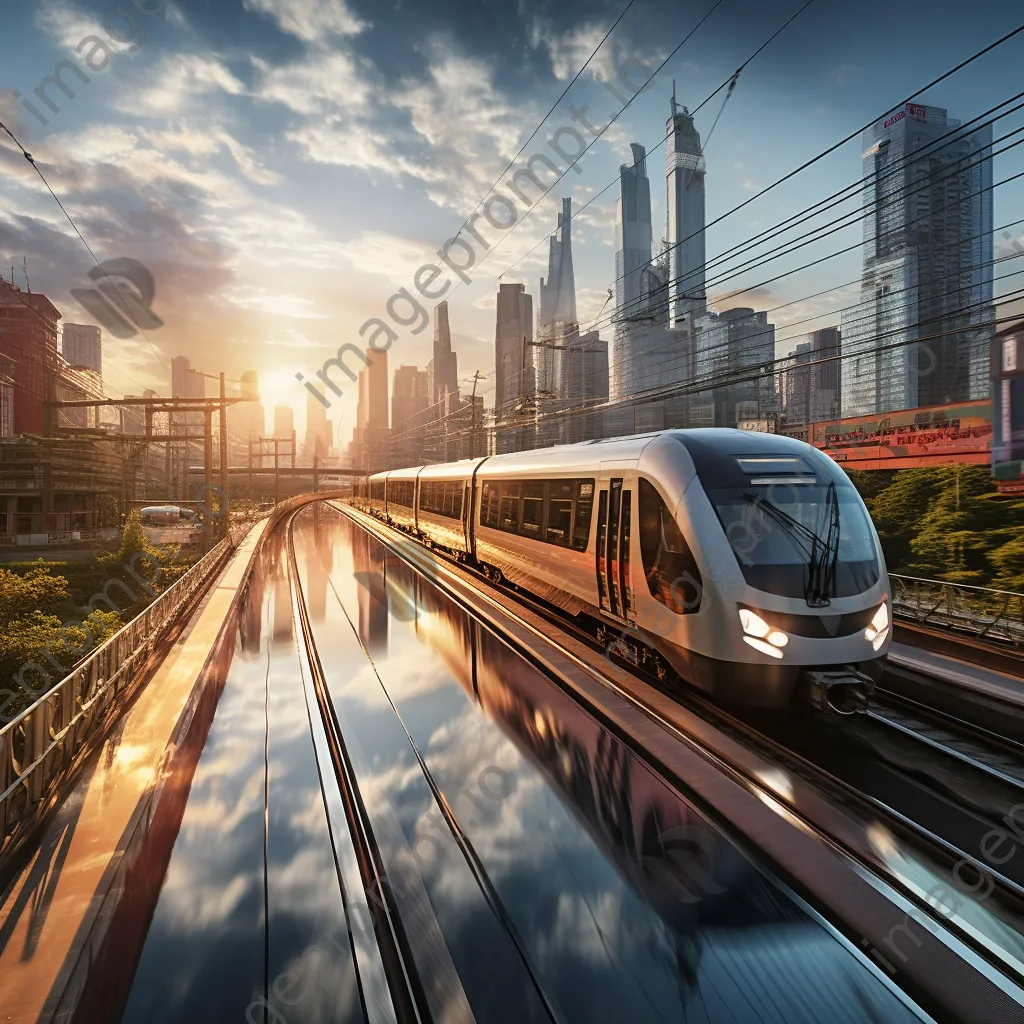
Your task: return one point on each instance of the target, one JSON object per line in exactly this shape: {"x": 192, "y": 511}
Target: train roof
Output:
{"x": 589, "y": 455}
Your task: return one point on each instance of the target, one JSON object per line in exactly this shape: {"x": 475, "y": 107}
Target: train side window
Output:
{"x": 508, "y": 515}
{"x": 670, "y": 569}
{"x": 559, "y": 521}
{"x": 485, "y": 503}
{"x": 625, "y": 525}
{"x": 455, "y": 499}
{"x": 584, "y": 509}
{"x": 533, "y": 508}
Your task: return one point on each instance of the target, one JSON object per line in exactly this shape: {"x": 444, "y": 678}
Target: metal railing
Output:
{"x": 41, "y": 747}
{"x": 977, "y": 611}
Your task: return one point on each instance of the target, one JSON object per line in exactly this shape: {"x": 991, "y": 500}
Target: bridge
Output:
{"x": 329, "y": 775}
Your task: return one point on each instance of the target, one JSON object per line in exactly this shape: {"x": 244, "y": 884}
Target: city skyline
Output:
{"x": 234, "y": 305}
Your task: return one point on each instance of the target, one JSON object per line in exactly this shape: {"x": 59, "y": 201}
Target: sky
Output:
{"x": 283, "y": 167}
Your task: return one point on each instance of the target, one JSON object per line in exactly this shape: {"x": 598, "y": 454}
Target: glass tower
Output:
{"x": 920, "y": 335}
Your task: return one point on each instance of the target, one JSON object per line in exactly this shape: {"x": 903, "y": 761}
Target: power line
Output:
{"x": 614, "y": 118}
{"x": 42, "y": 178}
{"x": 616, "y": 318}
{"x": 540, "y": 125}
{"x": 803, "y": 166}
{"x": 667, "y": 366}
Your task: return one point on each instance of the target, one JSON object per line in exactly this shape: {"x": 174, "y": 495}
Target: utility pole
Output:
{"x": 473, "y": 445}
{"x": 277, "y": 471}
{"x": 207, "y": 476}
{"x": 224, "y": 450}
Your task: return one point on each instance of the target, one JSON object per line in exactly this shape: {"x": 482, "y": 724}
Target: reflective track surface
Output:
{"x": 536, "y": 869}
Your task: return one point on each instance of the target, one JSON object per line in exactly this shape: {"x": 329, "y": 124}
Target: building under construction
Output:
{"x": 64, "y": 472}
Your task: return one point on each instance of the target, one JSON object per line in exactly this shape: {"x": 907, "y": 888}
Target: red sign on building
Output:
{"x": 911, "y": 438}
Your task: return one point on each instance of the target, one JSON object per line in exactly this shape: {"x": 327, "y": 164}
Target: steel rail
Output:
{"x": 952, "y": 724}
{"x": 844, "y": 837}
{"x": 393, "y": 956}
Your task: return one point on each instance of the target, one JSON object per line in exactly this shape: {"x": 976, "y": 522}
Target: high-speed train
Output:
{"x": 745, "y": 562}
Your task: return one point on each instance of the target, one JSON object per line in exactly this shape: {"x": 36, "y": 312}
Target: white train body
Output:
{"x": 697, "y": 544}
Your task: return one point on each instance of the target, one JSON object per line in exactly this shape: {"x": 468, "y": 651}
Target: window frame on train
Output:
{"x": 670, "y": 569}
{"x": 442, "y": 498}
{"x": 523, "y": 507}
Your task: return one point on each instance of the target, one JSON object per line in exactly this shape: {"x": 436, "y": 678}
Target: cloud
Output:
{"x": 275, "y": 303}
{"x": 309, "y": 20}
{"x": 67, "y": 24}
{"x": 334, "y": 83}
{"x": 569, "y": 51}
{"x": 181, "y": 79}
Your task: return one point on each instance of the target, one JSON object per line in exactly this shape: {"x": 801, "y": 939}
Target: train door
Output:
{"x": 614, "y": 537}
{"x": 467, "y": 513}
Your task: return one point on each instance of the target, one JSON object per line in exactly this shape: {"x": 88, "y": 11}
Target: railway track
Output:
{"x": 864, "y": 828}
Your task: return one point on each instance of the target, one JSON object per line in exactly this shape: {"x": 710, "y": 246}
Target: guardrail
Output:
{"x": 41, "y": 747}
{"x": 977, "y": 611}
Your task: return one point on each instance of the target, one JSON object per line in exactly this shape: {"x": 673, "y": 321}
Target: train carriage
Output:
{"x": 746, "y": 562}
{"x": 401, "y": 498}
{"x": 443, "y": 505}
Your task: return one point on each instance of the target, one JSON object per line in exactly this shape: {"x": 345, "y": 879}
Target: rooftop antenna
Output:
{"x": 24, "y": 263}
{"x": 673, "y": 97}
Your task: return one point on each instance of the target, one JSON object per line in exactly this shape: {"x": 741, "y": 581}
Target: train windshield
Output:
{"x": 810, "y": 540}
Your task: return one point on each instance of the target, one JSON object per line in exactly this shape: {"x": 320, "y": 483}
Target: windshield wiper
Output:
{"x": 822, "y": 563}
{"x": 820, "y": 555}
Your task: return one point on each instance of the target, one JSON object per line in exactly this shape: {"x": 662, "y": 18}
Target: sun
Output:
{"x": 278, "y": 386}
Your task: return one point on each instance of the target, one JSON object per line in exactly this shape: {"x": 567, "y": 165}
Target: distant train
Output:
{"x": 166, "y": 515}
{"x": 745, "y": 562}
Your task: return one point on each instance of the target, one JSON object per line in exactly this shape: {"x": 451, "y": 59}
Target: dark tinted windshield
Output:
{"x": 773, "y": 551}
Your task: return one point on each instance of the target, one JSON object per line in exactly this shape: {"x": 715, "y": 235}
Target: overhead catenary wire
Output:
{"x": 662, "y": 369}
{"x": 613, "y": 119}
{"x": 807, "y": 163}
{"x": 729, "y": 83}
{"x": 540, "y": 125}
{"x": 683, "y": 390}
{"x": 28, "y": 156}
{"x": 858, "y": 215}
{"x": 615, "y": 318}
{"x": 774, "y": 366}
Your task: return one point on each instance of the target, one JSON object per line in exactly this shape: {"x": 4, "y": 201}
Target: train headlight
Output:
{"x": 753, "y": 624}
{"x": 878, "y": 630}
{"x": 760, "y": 645}
{"x": 760, "y": 635}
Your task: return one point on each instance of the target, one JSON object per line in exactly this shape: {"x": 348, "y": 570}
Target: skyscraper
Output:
{"x": 684, "y": 195}
{"x": 370, "y": 438}
{"x": 410, "y": 401}
{"x": 513, "y": 365}
{"x": 284, "y": 421}
{"x": 557, "y": 306}
{"x": 921, "y": 333}
{"x": 186, "y": 382}
{"x": 444, "y": 367}
{"x": 585, "y": 373}
{"x": 81, "y": 345}
{"x": 632, "y": 231}
{"x": 640, "y": 347}
{"x": 736, "y": 342}
{"x": 319, "y": 432}
{"x": 826, "y": 374}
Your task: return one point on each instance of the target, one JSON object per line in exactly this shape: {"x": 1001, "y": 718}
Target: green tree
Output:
{"x": 38, "y": 650}
{"x": 959, "y": 527}
{"x": 23, "y": 593}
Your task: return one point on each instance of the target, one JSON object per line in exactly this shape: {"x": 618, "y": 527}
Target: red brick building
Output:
{"x": 28, "y": 335}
